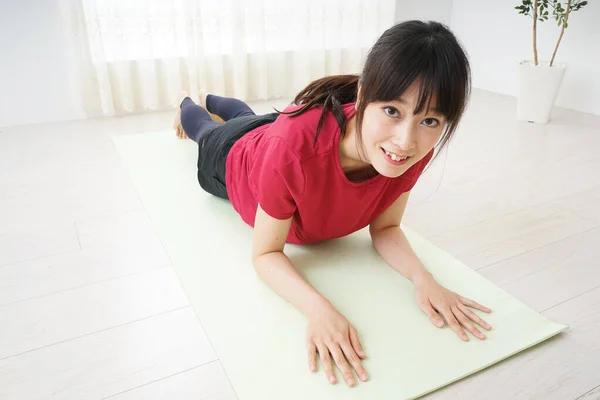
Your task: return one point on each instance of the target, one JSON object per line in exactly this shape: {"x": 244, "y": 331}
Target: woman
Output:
{"x": 344, "y": 156}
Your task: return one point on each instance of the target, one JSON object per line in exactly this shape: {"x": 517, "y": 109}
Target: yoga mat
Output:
{"x": 260, "y": 338}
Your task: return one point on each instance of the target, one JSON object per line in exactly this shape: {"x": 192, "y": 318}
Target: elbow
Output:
{"x": 260, "y": 260}
{"x": 373, "y": 231}
{"x": 375, "y": 237}
{"x": 259, "y": 266}
{"x": 256, "y": 258}
{"x": 377, "y": 231}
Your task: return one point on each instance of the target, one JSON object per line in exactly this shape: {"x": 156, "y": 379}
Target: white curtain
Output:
{"x": 140, "y": 55}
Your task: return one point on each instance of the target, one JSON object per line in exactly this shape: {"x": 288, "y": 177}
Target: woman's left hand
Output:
{"x": 433, "y": 298}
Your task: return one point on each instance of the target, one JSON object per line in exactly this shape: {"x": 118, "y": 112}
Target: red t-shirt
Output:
{"x": 278, "y": 166}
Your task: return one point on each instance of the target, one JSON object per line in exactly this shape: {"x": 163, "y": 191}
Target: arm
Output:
{"x": 328, "y": 331}
{"x": 393, "y": 246}
{"x": 276, "y": 269}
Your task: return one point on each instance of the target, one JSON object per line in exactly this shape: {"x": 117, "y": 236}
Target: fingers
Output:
{"x": 326, "y": 362}
{"x": 474, "y": 317}
{"x": 432, "y": 314}
{"x": 312, "y": 355}
{"x": 474, "y": 304}
{"x": 354, "y": 360}
{"x": 343, "y": 355}
{"x": 356, "y": 343}
{"x": 454, "y": 324}
{"x": 342, "y": 363}
{"x": 459, "y": 317}
{"x": 464, "y": 321}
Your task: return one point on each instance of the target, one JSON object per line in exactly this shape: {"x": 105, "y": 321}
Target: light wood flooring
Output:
{"x": 90, "y": 307}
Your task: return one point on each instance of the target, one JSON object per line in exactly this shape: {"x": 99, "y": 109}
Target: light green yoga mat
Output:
{"x": 259, "y": 337}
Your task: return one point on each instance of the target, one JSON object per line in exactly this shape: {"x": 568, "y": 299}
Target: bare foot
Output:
{"x": 179, "y": 132}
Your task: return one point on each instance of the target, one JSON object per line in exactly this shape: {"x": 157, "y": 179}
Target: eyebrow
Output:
{"x": 433, "y": 110}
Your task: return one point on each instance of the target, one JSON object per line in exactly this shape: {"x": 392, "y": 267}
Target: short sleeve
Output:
{"x": 279, "y": 178}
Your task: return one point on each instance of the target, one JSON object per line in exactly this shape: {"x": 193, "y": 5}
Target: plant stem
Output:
{"x": 562, "y": 31}
{"x": 535, "y": 52}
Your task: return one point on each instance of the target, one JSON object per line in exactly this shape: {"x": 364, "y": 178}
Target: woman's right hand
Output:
{"x": 330, "y": 334}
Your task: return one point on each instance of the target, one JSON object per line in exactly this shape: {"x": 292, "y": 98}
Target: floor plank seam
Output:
{"x": 570, "y": 299}
{"x": 588, "y": 392}
{"x": 114, "y": 213}
{"x": 38, "y": 258}
{"x": 537, "y": 174}
{"x": 77, "y": 234}
{"x": 86, "y": 285}
{"x": 160, "y": 379}
{"x": 459, "y": 227}
{"x": 95, "y": 332}
{"x": 129, "y": 210}
{"x": 538, "y": 248}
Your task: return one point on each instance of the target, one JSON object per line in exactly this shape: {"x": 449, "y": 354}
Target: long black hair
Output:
{"x": 425, "y": 53}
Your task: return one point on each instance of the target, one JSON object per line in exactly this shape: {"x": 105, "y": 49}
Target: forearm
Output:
{"x": 393, "y": 246}
{"x": 278, "y": 272}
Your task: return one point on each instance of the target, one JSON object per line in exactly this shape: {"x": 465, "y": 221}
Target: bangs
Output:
{"x": 437, "y": 70}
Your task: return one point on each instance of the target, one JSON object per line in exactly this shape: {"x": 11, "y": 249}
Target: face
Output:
{"x": 394, "y": 139}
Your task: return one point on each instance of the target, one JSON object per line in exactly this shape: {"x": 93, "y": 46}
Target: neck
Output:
{"x": 349, "y": 156}
{"x": 353, "y": 166}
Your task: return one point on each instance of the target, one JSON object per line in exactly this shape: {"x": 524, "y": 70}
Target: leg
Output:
{"x": 226, "y": 107}
{"x": 195, "y": 121}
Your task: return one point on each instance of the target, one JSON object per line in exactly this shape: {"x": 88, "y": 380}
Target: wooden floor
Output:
{"x": 90, "y": 307}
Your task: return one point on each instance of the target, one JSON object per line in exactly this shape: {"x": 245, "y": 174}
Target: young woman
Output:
{"x": 343, "y": 156}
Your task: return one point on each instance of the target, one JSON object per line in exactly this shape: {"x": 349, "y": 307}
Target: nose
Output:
{"x": 405, "y": 137}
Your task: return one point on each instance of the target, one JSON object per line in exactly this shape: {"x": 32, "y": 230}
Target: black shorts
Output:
{"x": 214, "y": 147}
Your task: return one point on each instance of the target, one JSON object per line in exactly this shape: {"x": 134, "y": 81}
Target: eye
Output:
{"x": 431, "y": 122}
{"x": 392, "y": 112}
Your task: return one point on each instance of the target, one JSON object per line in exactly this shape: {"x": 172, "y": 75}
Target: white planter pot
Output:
{"x": 537, "y": 88}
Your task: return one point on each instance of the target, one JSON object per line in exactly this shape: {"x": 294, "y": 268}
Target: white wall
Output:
{"x": 497, "y": 38}
{"x": 34, "y": 66}
{"x": 434, "y": 10}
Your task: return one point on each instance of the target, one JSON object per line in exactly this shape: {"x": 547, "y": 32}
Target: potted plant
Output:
{"x": 539, "y": 82}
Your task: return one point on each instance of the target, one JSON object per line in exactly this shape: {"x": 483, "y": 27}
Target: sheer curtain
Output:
{"x": 140, "y": 55}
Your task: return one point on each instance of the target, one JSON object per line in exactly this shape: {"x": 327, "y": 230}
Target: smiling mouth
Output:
{"x": 394, "y": 157}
